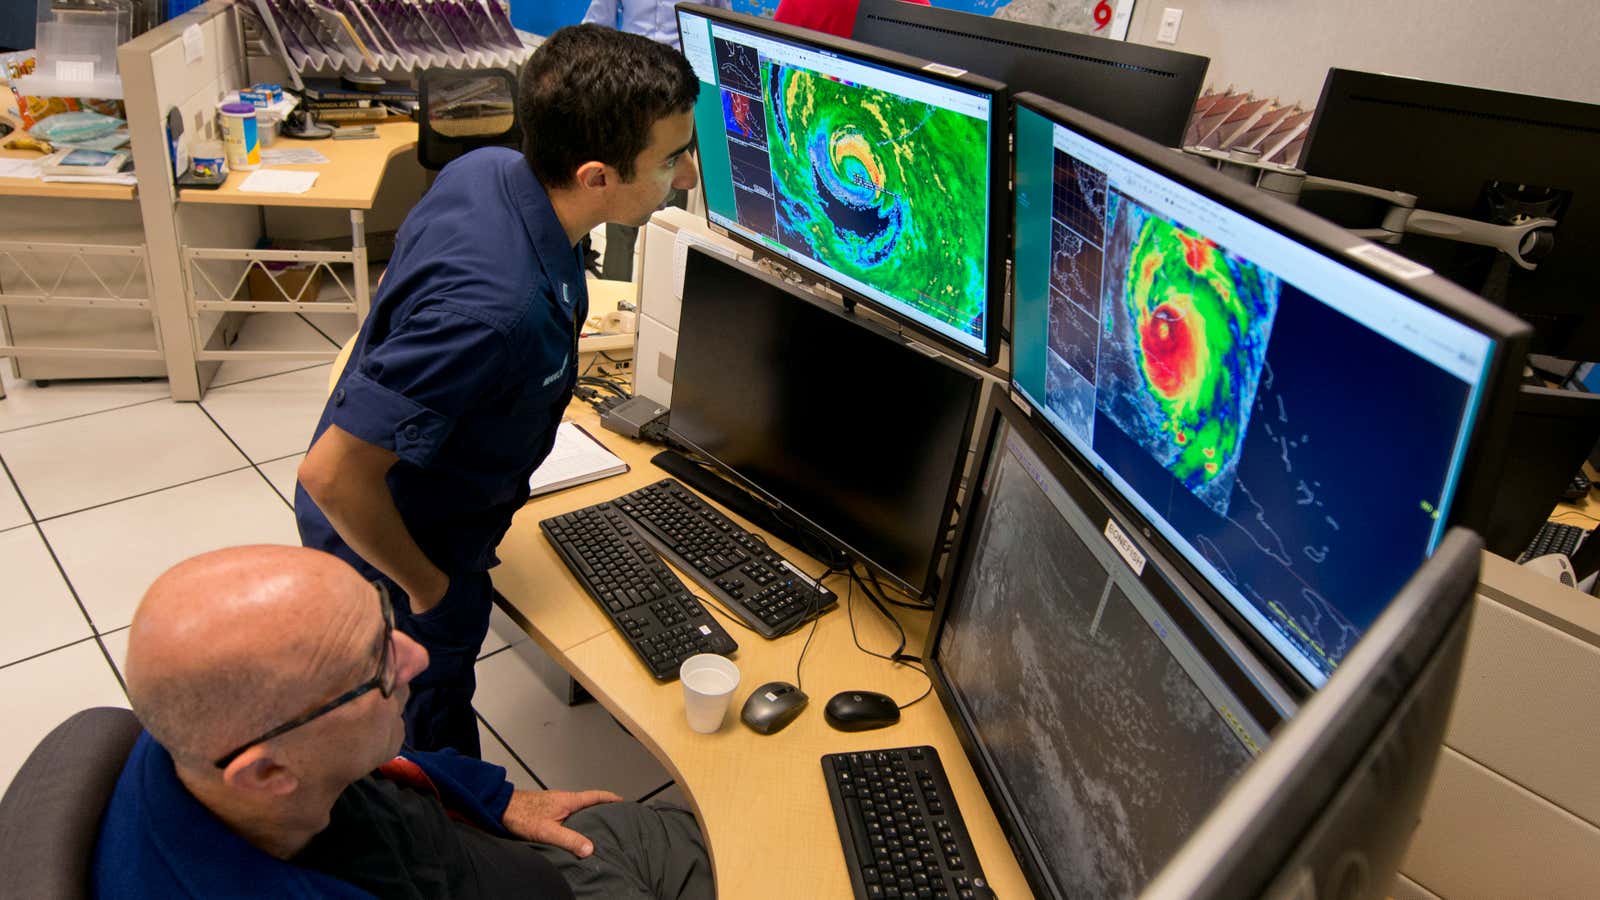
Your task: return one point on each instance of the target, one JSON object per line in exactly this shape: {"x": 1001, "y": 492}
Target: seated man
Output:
{"x": 270, "y": 681}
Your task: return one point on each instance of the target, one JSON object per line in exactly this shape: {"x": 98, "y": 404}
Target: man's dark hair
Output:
{"x": 592, "y": 93}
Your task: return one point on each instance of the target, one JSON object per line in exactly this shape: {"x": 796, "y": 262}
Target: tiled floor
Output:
{"x": 105, "y": 484}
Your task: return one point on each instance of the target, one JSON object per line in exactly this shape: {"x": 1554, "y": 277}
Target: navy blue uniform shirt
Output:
{"x": 466, "y": 361}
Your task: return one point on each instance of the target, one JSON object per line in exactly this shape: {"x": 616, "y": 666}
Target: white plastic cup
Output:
{"x": 709, "y": 681}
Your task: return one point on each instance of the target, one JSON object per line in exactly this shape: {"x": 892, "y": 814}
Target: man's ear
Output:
{"x": 255, "y": 771}
{"x": 592, "y": 175}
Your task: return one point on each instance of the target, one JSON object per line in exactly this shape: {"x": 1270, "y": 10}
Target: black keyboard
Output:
{"x": 662, "y": 621}
{"x": 1553, "y": 537}
{"x": 898, "y": 822}
{"x": 770, "y": 593}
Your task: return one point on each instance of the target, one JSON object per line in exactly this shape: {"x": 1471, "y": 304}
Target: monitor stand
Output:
{"x": 743, "y": 503}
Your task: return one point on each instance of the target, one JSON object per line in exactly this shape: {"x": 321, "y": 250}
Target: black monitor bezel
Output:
{"x": 999, "y": 174}
{"x": 1475, "y": 492}
{"x": 1072, "y": 58}
{"x": 1165, "y": 583}
{"x": 936, "y": 553}
{"x": 1363, "y": 748}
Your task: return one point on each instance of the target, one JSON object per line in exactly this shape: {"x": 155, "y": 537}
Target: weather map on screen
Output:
{"x": 875, "y": 178}
{"x": 1184, "y": 345}
{"x": 872, "y": 184}
{"x": 1294, "y": 428}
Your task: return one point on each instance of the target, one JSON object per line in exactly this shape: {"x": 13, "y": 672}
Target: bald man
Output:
{"x": 270, "y": 682}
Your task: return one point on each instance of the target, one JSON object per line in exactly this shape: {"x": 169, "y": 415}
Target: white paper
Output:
{"x": 74, "y": 70}
{"x": 193, "y": 44}
{"x": 19, "y": 168}
{"x": 576, "y": 458}
{"x": 278, "y": 181}
{"x": 296, "y": 156}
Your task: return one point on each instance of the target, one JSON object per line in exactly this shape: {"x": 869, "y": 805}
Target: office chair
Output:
{"x": 50, "y": 816}
{"x": 464, "y": 110}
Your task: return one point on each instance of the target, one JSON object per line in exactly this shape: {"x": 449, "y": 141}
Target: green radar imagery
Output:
{"x": 1190, "y": 328}
{"x": 885, "y": 189}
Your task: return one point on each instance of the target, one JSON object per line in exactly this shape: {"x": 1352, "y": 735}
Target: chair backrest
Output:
{"x": 50, "y": 816}
{"x": 462, "y": 110}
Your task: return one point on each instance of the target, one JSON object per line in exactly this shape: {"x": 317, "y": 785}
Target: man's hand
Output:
{"x": 425, "y": 597}
{"x": 537, "y": 816}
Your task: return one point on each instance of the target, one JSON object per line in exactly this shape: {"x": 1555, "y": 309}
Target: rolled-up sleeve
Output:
{"x": 407, "y": 393}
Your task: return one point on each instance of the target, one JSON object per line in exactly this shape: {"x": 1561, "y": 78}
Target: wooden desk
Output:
{"x": 348, "y": 180}
{"x": 753, "y": 794}
{"x": 217, "y": 231}
{"x": 35, "y": 187}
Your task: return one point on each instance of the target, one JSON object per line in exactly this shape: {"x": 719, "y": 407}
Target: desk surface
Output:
{"x": 752, "y": 793}
{"x": 348, "y": 180}
{"x": 34, "y": 187}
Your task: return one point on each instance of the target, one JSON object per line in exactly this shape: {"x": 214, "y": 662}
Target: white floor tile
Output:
{"x": 337, "y": 327}
{"x": 567, "y": 747}
{"x": 113, "y": 553}
{"x": 39, "y": 611}
{"x": 67, "y": 466}
{"x": 12, "y": 512}
{"x": 496, "y": 752}
{"x": 283, "y": 473}
{"x": 271, "y": 417}
{"x": 28, "y": 404}
{"x": 270, "y": 331}
{"x": 42, "y": 692}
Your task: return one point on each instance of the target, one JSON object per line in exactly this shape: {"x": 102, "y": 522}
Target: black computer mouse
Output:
{"x": 861, "y": 711}
{"x": 772, "y": 706}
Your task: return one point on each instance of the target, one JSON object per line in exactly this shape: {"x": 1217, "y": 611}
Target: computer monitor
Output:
{"x": 1148, "y": 90}
{"x": 835, "y": 419}
{"x": 1104, "y": 706}
{"x": 1291, "y": 408}
{"x": 1553, "y": 432}
{"x": 882, "y": 174}
{"x": 1491, "y": 156}
{"x": 1329, "y": 809}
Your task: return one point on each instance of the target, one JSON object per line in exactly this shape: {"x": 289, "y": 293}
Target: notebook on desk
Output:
{"x": 577, "y": 458}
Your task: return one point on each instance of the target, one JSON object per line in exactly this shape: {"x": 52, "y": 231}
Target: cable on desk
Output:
{"x": 897, "y": 656}
{"x": 815, "y": 617}
{"x": 1572, "y": 512}
{"x": 918, "y": 602}
{"x": 608, "y": 384}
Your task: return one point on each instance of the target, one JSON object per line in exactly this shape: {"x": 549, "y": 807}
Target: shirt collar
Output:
{"x": 559, "y": 258}
{"x": 199, "y": 849}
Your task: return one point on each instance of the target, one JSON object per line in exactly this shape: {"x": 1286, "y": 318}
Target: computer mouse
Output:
{"x": 772, "y": 706}
{"x": 861, "y": 711}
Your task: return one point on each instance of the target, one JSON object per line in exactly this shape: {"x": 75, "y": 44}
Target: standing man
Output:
{"x": 656, "y": 20}
{"x": 459, "y": 375}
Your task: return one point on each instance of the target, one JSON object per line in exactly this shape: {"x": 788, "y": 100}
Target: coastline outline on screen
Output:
{"x": 1294, "y": 428}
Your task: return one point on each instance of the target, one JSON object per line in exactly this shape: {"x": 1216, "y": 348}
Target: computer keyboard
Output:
{"x": 1553, "y": 537}
{"x": 770, "y": 593}
{"x": 898, "y": 822}
{"x": 661, "y": 620}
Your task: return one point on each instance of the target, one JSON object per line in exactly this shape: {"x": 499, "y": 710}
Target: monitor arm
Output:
{"x": 1526, "y": 242}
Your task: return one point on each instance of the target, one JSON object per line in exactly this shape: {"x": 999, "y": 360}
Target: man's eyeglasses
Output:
{"x": 382, "y": 681}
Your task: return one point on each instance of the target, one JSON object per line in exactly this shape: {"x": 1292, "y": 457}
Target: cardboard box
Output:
{"x": 291, "y": 281}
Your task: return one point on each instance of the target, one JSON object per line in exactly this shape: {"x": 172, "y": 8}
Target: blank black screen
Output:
{"x": 841, "y": 422}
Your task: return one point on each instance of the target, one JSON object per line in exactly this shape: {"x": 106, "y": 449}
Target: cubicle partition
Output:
{"x": 204, "y": 244}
